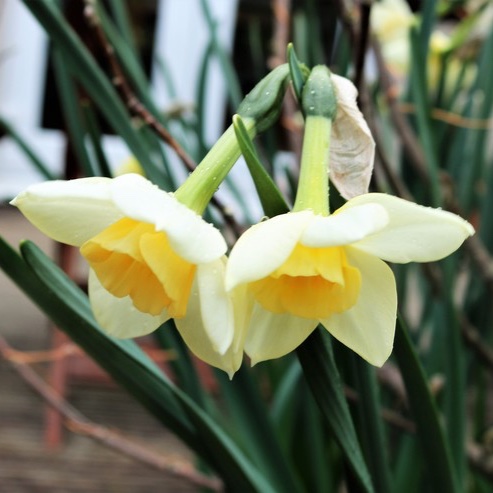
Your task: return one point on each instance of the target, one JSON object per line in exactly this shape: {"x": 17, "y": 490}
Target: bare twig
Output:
{"x": 280, "y": 36}
{"x": 78, "y": 423}
{"x": 473, "y": 338}
{"x": 119, "y": 80}
{"x": 362, "y": 45}
{"x": 280, "y": 40}
{"x": 452, "y": 118}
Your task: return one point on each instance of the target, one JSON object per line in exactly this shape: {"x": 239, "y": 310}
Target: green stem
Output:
{"x": 201, "y": 185}
{"x": 313, "y": 187}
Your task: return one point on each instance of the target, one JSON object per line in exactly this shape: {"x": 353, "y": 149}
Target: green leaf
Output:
{"x": 455, "y": 391}
{"x": 317, "y": 360}
{"x": 371, "y": 426}
{"x": 434, "y": 446}
{"x": 312, "y": 445}
{"x": 408, "y": 465}
{"x": 121, "y": 15}
{"x": 271, "y": 199}
{"x": 227, "y": 68}
{"x": 96, "y": 136}
{"x": 182, "y": 365}
{"x": 299, "y": 72}
{"x": 253, "y": 425}
{"x": 27, "y": 149}
{"x": 284, "y": 402}
{"x": 71, "y": 109}
{"x": 423, "y": 110}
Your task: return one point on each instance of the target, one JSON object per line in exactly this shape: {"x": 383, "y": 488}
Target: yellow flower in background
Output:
{"x": 151, "y": 258}
{"x": 130, "y": 165}
{"x": 390, "y": 22}
{"x": 301, "y": 269}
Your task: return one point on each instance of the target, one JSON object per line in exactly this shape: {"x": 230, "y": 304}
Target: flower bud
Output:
{"x": 319, "y": 97}
{"x": 263, "y": 102}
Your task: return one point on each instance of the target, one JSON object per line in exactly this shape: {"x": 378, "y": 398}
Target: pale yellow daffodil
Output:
{"x": 151, "y": 258}
{"x": 302, "y": 269}
{"x": 130, "y": 165}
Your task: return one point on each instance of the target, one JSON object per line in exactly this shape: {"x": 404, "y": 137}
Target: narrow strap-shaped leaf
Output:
{"x": 286, "y": 401}
{"x": 371, "y": 425}
{"x": 122, "y": 21}
{"x": 232, "y": 82}
{"x": 271, "y": 199}
{"x": 252, "y": 423}
{"x": 408, "y": 464}
{"x": 70, "y": 105}
{"x": 423, "y": 110}
{"x": 27, "y": 150}
{"x": 321, "y": 373}
{"x": 182, "y": 366}
{"x": 96, "y": 136}
{"x": 434, "y": 446}
{"x": 201, "y": 99}
{"x": 311, "y": 442}
{"x": 299, "y": 73}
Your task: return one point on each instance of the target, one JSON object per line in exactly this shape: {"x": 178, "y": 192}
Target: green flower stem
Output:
{"x": 201, "y": 185}
{"x": 313, "y": 187}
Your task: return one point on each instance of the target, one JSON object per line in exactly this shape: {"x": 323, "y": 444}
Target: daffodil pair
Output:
{"x": 152, "y": 257}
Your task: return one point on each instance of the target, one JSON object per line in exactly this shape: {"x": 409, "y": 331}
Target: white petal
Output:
{"x": 345, "y": 227}
{"x": 352, "y": 148}
{"x": 264, "y": 247}
{"x": 69, "y": 211}
{"x": 196, "y": 335}
{"x": 190, "y": 236}
{"x": 369, "y": 327}
{"x": 215, "y": 305}
{"x": 273, "y": 335}
{"x": 118, "y": 316}
{"x": 243, "y": 304}
{"x": 414, "y": 233}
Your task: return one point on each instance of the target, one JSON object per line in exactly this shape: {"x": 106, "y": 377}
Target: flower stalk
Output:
{"x": 319, "y": 105}
{"x": 197, "y": 191}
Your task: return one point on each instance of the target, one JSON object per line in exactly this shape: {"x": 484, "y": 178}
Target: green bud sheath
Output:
{"x": 319, "y": 105}
{"x": 263, "y": 104}
{"x": 319, "y": 97}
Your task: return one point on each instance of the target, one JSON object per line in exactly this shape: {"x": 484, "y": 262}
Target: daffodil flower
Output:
{"x": 151, "y": 258}
{"x": 310, "y": 267}
{"x": 302, "y": 269}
